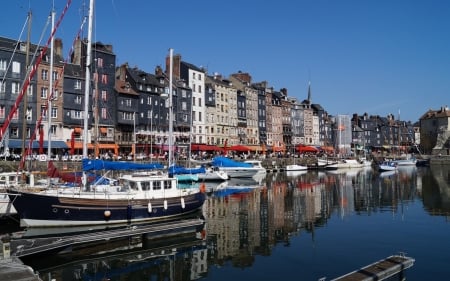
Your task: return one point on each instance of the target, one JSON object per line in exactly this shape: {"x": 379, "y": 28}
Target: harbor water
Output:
{"x": 301, "y": 226}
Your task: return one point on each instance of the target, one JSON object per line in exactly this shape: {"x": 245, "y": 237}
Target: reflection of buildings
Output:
{"x": 245, "y": 225}
{"x": 436, "y": 190}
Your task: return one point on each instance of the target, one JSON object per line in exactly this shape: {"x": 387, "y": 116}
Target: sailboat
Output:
{"x": 148, "y": 196}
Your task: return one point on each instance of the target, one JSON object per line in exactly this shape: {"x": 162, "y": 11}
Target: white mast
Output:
{"x": 87, "y": 84}
{"x": 170, "y": 108}
{"x": 87, "y": 81}
{"x": 49, "y": 104}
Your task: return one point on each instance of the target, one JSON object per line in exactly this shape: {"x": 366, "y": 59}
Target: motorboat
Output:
{"x": 387, "y": 165}
{"x": 238, "y": 169}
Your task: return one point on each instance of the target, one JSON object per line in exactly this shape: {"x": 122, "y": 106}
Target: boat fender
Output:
{"x": 107, "y": 214}
{"x": 203, "y": 188}
{"x": 149, "y": 207}
{"x": 165, "y": 204}
{"x": 182, "y": 203}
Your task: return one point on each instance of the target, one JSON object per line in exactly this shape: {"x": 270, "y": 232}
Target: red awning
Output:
{"x": 306, "y": 148}
{"x": 239, "y": 148}
{"x": 204, "y": 147}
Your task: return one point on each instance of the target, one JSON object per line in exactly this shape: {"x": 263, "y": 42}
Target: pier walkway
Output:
{"x": 379, "y": 270}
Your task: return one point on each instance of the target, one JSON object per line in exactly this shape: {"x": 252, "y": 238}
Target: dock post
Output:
{"x": 6, "y": 247}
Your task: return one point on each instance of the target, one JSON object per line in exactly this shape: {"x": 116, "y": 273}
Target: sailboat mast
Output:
{"x": 49, "y": 104}
{"x": 170, "y": 107}
{"x": 25, "y": 100}
{"x": 87, "y": 81}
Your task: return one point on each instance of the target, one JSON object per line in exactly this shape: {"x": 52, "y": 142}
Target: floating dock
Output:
{"x": 13, "y": 248}
{"x": 379, "y": 270}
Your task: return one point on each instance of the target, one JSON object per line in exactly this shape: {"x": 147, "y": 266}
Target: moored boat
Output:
{"x": 387, "y": 165}
{"x": 236, "y": 169}
{"x": 138, "y": 197}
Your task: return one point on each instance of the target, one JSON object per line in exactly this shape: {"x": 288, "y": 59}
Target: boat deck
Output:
{"x": 379, "y": 270}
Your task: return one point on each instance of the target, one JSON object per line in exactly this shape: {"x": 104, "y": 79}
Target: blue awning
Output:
{"x": 54, "y": 144}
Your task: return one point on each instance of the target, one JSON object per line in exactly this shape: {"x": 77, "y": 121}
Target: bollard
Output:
{"x": 6, "y": 247}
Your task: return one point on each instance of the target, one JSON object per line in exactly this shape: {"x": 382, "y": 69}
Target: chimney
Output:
{"x": 58, "y": 45}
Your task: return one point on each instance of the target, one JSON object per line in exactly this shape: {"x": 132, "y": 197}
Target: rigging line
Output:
{"x": 61, "y": 72}
{"x": 15, "y": 48}
{"x": 33, "y": 71}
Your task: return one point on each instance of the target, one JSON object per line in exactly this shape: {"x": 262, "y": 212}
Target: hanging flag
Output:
{"x": 41, "y": 140}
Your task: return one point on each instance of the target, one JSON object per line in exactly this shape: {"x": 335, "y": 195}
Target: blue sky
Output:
{"x": 374, "y": 56}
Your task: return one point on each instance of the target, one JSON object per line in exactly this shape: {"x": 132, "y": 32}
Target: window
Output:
{"x": 15, "y": 87}
{"x": 183, "y": 93}
{"x": 44, "y": 92}
{"x": 16, "y": 114}
{"x": 55, "y": 94}
{"x": 167, "y": 184}
{"x": 3, "y": 65}
{"x": 128, "y": 102}
{"x": 53, "y": 129}
{"x": 77, "y": 100}
{"x": 193, "y": 101}
{"x": 156, "y": 185}
{"x": 55, "y": 75}
{"x": 95, "y": 77}
{"x": 2, "y": 87}
{"x": 104, "y": 95}
{"x": 200, "y": 117}
{"x": 29, "y": 114}
{"x": 16, "y": 67}
{"x": 199, "y": 88}
{"x": 99, "y": 62}
{"x": 183, "y": 105}
{"x": 44, "y": 74}
{"x": 14, "y": 132}
{"x": 43, "y": 111}
{"x": 2, "y": 111}
{"x": 30, "y": 90}
{"x": 77, "y": 85}
{"x": 104, "y": 79}
{"x": 54, "y": 112}
{"x": 103, "y": 113}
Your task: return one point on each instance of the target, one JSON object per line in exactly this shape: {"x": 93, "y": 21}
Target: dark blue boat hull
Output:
{"x": 40, "y": 210}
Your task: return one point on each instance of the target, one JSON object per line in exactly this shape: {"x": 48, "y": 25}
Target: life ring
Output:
{"x": 42, "y": 157}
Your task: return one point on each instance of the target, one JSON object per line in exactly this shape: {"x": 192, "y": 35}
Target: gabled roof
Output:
{"x": 123, "y": 87}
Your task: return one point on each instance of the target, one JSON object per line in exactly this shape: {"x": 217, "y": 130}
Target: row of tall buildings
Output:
{"x": 128, "y": 108}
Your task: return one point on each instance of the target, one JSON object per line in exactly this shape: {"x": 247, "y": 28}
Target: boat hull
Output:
{"x": 40, "y": 210}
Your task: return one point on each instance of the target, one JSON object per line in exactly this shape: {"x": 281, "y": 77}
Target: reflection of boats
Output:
{"x": 295, "y": 173}
{"x": 385, "y": 174}
{"x": 124, "y": 259}
{"x": 139, "y": 197}
{"x": 236, "y": 169}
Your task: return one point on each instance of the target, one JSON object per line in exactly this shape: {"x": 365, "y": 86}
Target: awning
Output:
{"x": 239, "y": 148}
{"x": 107, "y": 146}
{"x": 79, "y": 145}
{"x": 54, "y": 144}
{"x": 103, "y": 130}
{"x": 205, "y": 147}
{"x": 306, "y": 148}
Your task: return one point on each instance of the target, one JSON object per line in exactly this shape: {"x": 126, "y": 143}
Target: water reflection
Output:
{"x": 250, "y": 222}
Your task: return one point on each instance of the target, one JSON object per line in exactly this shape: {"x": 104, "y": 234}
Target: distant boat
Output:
{"x": 387, "y": 165}
{"x": 296, "y": 167}
{"x": 406, "y": 162}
